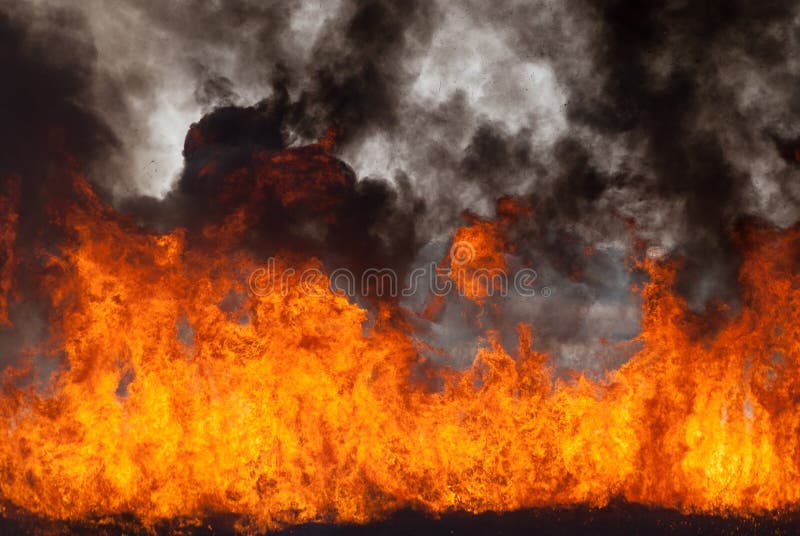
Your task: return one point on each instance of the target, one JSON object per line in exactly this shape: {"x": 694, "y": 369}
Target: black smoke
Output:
{"x": 667, "y": 121}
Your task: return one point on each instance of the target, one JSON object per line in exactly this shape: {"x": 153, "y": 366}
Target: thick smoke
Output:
{"x": 670, "y": 121}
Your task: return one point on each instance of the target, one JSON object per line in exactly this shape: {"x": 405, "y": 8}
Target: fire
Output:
{"x": 8, "y": 235}
{"x": 478, "y": 253}
{"x": 291, "y": 407}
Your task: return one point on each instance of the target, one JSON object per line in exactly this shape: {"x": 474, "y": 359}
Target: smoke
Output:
{"x": 672, "y": 121}
{"x": 46, "y": 95}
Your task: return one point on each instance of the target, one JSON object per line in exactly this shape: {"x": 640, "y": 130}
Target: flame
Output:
{"x": 476, "y": 262}
{"x": 286, "y": 408}
{"x": 8, "y": 236}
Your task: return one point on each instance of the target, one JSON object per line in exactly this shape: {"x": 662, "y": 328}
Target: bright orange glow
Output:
{"x": 286, "y": 409}
{"x": 478, "y": 255}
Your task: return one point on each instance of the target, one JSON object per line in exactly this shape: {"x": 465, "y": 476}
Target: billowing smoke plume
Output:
{"x": 669, "y": 121}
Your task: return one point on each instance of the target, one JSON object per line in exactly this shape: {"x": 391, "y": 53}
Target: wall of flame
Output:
{"x": 288, "y": 409}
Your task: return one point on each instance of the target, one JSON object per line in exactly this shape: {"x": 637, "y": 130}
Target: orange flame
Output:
{"x": 476, "y": 262}
{"x": 287, "y": 409}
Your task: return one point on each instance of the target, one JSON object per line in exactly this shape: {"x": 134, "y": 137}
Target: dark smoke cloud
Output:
{"x": 49, "y": 66}
{"x": 679, "y": 116}
{"x": 352, "y": 87}
{"x": 298, "y": 199}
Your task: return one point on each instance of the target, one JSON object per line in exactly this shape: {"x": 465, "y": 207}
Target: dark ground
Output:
{"x": 621, "y": 518}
